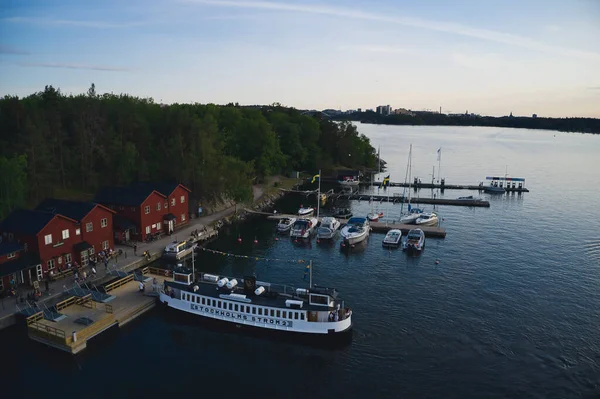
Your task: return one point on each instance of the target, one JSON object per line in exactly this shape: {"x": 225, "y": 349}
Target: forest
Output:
{"x": 575, "y": 125}
{"x": 68, "y": 146}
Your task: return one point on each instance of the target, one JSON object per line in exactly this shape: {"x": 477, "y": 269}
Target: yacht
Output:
{"x": 415, "y": 241}
{"x": 285, "y": 224}
{"x": 328, "y": 228}
{"x": 304, "y": 212}
{"x": 356, "y": 230}
{"x": 427, "y": 219}
{"x": 303, "y": 227}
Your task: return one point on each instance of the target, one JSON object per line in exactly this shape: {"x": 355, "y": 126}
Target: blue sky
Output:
{"x": 489, "y": 57}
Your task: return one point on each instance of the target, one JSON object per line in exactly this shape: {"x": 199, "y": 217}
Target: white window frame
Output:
{"x": 147, "y": 209}
{"x": 11, "y": 255}
{"x": 173, "y": 201}
{"x": 65, "y": 234}
{"x": 105, "y": 244}
{"x": 91, "y": 251}
{"x": 68, "y": 258}
{"x": 103, "y": 222}
{"x": 183, "y": 217}
{"x": 166, "y": 205}
{"x": 51, "y": 264}
{"x": 147, "y": 229}
{"x": 182, "y": 199}
{"x": 89, "y": 227}
{"x": 158, "y": 206}
{"x": 48, "y": 239}
{"x": 158, "y": 226}
{"x": 77, "y": 232}
{"x": 40, "y": 272}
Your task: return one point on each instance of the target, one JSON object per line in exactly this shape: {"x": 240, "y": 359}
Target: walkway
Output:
{"x": 7, "y": 305}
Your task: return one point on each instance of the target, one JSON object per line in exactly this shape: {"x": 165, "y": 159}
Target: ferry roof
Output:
{"x": 505, "y": 178}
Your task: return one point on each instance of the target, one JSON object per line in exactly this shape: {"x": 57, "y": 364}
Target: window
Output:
{"x": 10, "y": 236}
{"x": 272, "y": 313}
{"x": 1, "y": 285}
{"x": 183, "y": 217}
{"x": 301, "y": 316}
{"x": 147, "y": 229}
{"x": 172, "y": 201}
{"x": 236, "y": 308}
{"x": 48, "y": 239}
{"x": 218, "y": 304}
{"x": 230, "y": 306}
{"x": 147, "y": 209}
{"x": 91, "y": 250}
{"x": 60, "y": 260}
{"x": 77, "y": 232}
{"x": 11, "y": 255}
{"x": 166, "y": 205}
{"x": 158, "y": 206}
{"x": 133, "y": 208}
{"x": 103, "y": 222}
{"x": 203, "y": 301}
{"x": 296, "y": 315}
{"x": 67, "y": 258}
{"x": 253, "y": 310}
{"x": 158, "y": 226}
{"x": 65, "y": 234}
{"x": 89, "y": 227}
{"x": 50, "y": 264}
{"x": 105, "y": 244}
{"x": 25, "y": 246}
{"x": 121, "y": 207}
{"x": 284, "y": 314}
{"x": 182, "y": 199}
{"x": 260, "y": 311}
{"x": 154, "y": 226}
{"x": 278, "y": 314}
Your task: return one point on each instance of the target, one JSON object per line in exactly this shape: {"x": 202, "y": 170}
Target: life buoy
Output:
{"x": 166, "y": 272}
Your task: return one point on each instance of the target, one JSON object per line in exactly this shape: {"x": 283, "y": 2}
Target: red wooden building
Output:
{"x": 51, "y": 236}
{"x": 95, "y": 225}
{"x": 16, "y": 265}
{"x": 176, "y": 209}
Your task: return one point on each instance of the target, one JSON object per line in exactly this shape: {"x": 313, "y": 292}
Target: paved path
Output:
{"x": 7, "y": 305}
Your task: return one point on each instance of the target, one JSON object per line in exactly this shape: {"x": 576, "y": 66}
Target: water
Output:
{"x": 511, "y": 310}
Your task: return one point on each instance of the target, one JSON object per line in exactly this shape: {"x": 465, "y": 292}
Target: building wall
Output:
{"x": 179, "y": 209}
{"x": 154, "y": 219}
{"x": 99, "y": 234}
{"x": 5, "y": 258}
{"x": 56, "y": 251}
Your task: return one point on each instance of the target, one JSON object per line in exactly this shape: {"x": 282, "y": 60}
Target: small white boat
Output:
{"x": 349, "y": 182}
{"x": 328, "y": 228}
{"x": 304, "y": 212}
{"x": 374, "y": 217}
{"x": 392, "y": 238}
{"x": 357, "y": 230}
{"x": 303, "y": 228}
{"x": 285, "y": 224}
{"x": 415, "y": 241}
{"x": 178, "y": 249}
{"x": 427, "y": 219}
{"x": 411, "y": 216}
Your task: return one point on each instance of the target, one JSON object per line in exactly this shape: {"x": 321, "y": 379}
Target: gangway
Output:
{"x": 52, "y": 315}
{"x": 97, "y": 296}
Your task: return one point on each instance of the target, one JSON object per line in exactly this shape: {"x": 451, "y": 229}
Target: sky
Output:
{"x": 489, "y": 57}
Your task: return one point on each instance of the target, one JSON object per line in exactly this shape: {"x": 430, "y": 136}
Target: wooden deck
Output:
{"x": 72, "y": 337}
{"x": 416, "y": 200}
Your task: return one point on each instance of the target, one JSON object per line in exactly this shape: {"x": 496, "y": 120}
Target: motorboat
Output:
{"x": 427, "y": 219}
{"x": 470, "y": 197}
{"x": 392, "y": 238}
{"x": 495, "y": 189}
{"x": 285, "y": 224}
{"x": 178, "y": 249}
{"x": 411, "y": 216}
{"x": 328, "y": 228}
{"x": 349, "y": 181}
{"x": 304, "y": 212}
{"x": 344, "y": 213}
{"x": 374, "y": 217}
{"x": 303, "y": 227}
{"x": 356, "y": 230}
{"x": 415, "y": 241}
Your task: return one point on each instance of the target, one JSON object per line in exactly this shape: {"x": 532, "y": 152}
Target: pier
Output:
{"x": 379, "y": 227}
{"x": 397, "y": 199}
{"x": 72, "y": 322}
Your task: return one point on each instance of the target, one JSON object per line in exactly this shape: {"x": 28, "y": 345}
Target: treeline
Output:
{"x": 52, "y": 144}
{"x": 577, "y": 125}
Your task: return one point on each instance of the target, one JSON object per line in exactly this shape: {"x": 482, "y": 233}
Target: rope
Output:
{"x": 253, "y": 257}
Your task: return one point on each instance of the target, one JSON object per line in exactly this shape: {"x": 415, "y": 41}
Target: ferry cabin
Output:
{"x": 312, "y": 311}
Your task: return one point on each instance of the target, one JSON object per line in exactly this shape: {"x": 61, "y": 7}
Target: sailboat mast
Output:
{"x": 319, "y": 194}
{"x": 439, "y": 164}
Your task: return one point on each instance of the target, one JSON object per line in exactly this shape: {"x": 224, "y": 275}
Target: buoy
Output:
{"x": 437, "y": 262}
{"x": 296, "y": 240}
{"x": 318, "y": 241}
{"x": 276, "y": 238}
{"x": 343, "y": 245}
{"x": 239, "y": 240}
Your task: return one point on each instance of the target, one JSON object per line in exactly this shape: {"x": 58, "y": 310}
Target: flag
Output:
{"x": 439, "y": 153}
{"x": 306, "y": 270}
{"x": 315, "y": 177}
{"x": 386, "y": 181}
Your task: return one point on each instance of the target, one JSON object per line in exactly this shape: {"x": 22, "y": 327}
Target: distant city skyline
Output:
{"x": 490, "y": 58}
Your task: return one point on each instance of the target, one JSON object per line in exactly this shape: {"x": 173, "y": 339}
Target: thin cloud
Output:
{"x": 68, "y": 22}
{"x": 74, "y": 66}
{"x": 376, "y": 49}
{"x": 6, "y": 49}
{"x": 447, "y": 27}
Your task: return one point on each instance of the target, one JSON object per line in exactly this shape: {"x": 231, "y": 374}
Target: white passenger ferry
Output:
{"x": 257, "y": 304}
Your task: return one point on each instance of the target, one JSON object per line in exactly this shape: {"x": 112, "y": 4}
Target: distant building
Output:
{"x": 403, "y": 111}
{"x": 359, "y": 110}
{"x": 534, "y": 116}
{"x": 384, "y": 109}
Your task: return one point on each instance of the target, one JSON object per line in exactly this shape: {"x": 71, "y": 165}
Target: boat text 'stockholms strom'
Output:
{"x": 260, "y": 305}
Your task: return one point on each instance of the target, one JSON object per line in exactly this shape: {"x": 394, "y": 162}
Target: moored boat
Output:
{"x": 427, "y": 219}
{"x": 178, "y": 249}
{"x": 349, "y": 182}
{"x": 328, "y": 228}
{"x": 415, "y": 241}
{"x": 374, "y": 217}
{"x": 306, "y": 211}
{"x": 285, "y": 224}
{"x": 303, "y": 228}
{"x": 343, "y": 213}
{"x": 245, "y": 302}
{"x": 356, "y": 230}
{"x": 392, "y": 239}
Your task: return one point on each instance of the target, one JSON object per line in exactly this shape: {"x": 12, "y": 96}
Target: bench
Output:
{"x": 61, "y": 274}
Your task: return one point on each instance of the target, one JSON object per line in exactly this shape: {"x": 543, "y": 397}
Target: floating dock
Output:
{"x": 416, "y": 200}
{"x": 71, "y": 323}
{"x": 379, "y": 227}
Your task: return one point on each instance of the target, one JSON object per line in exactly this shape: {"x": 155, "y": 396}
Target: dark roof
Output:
{"x": 130, "y": 196}
{"x": 123, "y": 223}
{"x": 169, "y": 216}
{"x": 81, "y": 246}
{"x": 165, "y": 188}
{"x": 8, "y": 247}
{"x": 25, "y": 261}
{"x": 25, "y": 221}
{"x": 76, "y": 210}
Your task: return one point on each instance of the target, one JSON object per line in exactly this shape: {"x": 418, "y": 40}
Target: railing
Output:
{"x": 120, "y": 282}
{"x": 66, "y": 303}
{"x": 108, "y": 308}
{"x": 34, "y": 318}
{"x": 157, "y": 271}
{"x": 61, "y": 274}
{"x": 47, "y": 332}
{"x": 86, "y": 301}
{"x": 91, "y": 330}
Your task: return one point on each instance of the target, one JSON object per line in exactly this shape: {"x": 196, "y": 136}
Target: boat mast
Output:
{"x": 193, "y": 266}
{"x": 409, "y": 173}
{"x": 319, "y": 195}
{"x": 310, "y": 274}
{"x": 439, "y": 164}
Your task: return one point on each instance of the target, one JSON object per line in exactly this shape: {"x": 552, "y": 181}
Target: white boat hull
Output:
{"x": 355, "y": 238}
{"x": 410, "y": 218}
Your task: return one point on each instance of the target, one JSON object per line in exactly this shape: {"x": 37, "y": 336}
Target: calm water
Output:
{"x": 511, "y": 310}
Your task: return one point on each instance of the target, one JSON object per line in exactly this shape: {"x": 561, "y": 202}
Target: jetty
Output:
{"x": 85, "y": 313}
{"x": 398, "y": 199}
{"x": 379, "y": 227}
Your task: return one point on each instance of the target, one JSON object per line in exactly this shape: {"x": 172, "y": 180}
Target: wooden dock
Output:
{"x": 447, "y": 186}
{"x": 416, "y": 200}
{"x": 81, "y": 318}
{"x": 380, "y": 227}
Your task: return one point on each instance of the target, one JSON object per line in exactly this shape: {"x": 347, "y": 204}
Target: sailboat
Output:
{"x": 306, "y": 225}
{"x": 413, "y": 214}
{"x": 374, "y": 216}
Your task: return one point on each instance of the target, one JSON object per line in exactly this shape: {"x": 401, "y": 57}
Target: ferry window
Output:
{"x": 301, "y": 316}
{"x": 236, "y": 307}
{"x": 230, "y": 306}
{"x": 253, "y": 310}
{"x": 203, "y": 301}
{"x": 319, "y": 299}
{"x": 260, "y": 311}
{"x": 278, "y": 314}
{"x": 272, "y": 313}
{"x": 296, "y": 315}
{"x": 213, "y": 303}
{"x": 284, "y": 314}
{"x": 218, "y": 304}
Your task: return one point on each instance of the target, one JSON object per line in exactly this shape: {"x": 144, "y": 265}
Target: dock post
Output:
{"x": 74, "y": 335}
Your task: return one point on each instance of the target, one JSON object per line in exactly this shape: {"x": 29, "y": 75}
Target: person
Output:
{"x": 47, "y": 285}
{"x": 135, "y": 249}
{"x": 141, "y": 286}
{"x": 93, "y": 271}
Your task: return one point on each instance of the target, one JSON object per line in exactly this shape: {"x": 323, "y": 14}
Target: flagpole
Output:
{"x": 439, "y": 164}
{"x": 319, "y": 195}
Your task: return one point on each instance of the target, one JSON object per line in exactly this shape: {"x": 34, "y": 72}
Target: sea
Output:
{"x": 506, "y": 306}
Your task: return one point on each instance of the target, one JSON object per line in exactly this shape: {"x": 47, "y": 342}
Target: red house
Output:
{"x": 50, "y": 236}
{"x": 176, "y": 208}
{"x": 139, "y": 210}
{"x": 16, "y": 265}
{"x": 95, "y": 224}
